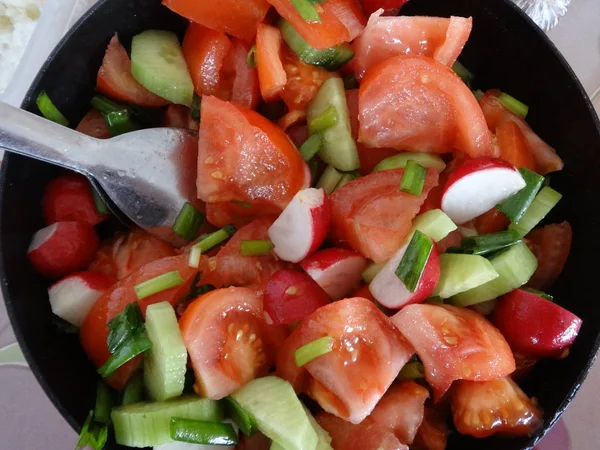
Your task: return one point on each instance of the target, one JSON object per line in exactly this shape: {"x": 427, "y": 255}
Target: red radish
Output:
{"x": 533, "y": 326}
{"x": 337, "y": 270}
{"x": 63, "y": 248}
{"x": 69, "y": 198}
{"x": 290, "y": 296}
{"x": 391, "y": 292}
{"x": 477, "y": 185}
{"x": 302, "y": 226}
{"x": 72, "y": 297}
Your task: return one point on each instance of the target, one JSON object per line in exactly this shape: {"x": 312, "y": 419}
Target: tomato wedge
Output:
{"x": 115, "y": 79}
{"x": 418, "y": 104}
{"x": 439, "y": 38}
{"x": 433, "y": 432}
{"x": 224, "y": 213}
{"x": 372, "y": 216}
{"x": 244, "y": 157}
{"x": 513, "y": 146}
{"x": 241, "y": 79}
{"x": 94, "y": 125}
{"x": 180, "y": 116}
{"x": 491, "y": 222}
{"x": 483, "y": 408}
{"x": 271, "y": 75}
{"x": 454, "y": 344}
{"x": 368, "y": 353}
{"x": 551, "y": 245}
{"x": 233, "y": 17}
{"x": 94, "y": 332}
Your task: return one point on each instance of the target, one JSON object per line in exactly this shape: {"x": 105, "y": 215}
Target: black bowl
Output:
{"x": 506, "y": 50}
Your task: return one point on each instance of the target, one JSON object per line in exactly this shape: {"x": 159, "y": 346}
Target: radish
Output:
{"x": 391, "y": 292}
{"x": 291, "y": 295}
{"x": 338, "y": 271}
{"x": 63, "y": 248}
{"x": 72, "y": 297}
{"x": 478, "y": 185}
{"x": 302, "y": 226}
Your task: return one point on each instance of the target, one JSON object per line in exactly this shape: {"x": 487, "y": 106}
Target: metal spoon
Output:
{"x": 148, "y": 174}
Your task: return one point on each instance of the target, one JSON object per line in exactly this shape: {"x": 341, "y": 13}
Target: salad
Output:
{"x": 364, "y": 267}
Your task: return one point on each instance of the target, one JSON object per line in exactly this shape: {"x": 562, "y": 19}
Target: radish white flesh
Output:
{"x": 476, "y": 187}
{"x": 41, "y": 237}
{"x": 302, "y": 226}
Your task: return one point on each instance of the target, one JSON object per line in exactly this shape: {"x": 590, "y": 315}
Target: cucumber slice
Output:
{"x": 371, "y": 271}
{"x": 147, "y": 424}
{"x": 546, "y": 199}
{"x": 434, "y": 223}
{"x": 346, "y": 178}
{"x": 330, "y": 58}
{"x": 339, "y": 148}
{"x": 278, "y": 412}
{"x": 459, "y": 273}
{"x": 157, "y": 63}
{"x": 165, "y": 362}
{"x": 400, "y": 160}
{"x": 324, "y": 440}
{"x": 329, "y": 180}
{"x": 515, "y": 267}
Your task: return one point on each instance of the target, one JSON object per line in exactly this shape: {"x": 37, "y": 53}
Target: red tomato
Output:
{"x": 491, "y": 222}
{"x": 341, "y": 21}
{"x": 370, "y": 6}
{"x": 224, "y": 333}
{"x": 244, "y": 157}
{"x": 271, "y": 74}
{"x": 224, "y": 213}
{"x": 233, "y": 17}
{"x": 94, "y": 332}
{"x": 291, "y": 295}
{"x": 454, "y": 239}
{"x": 483, "y": 408}
{"x": 179, "y": 116}
{"x": 257, "y": 441}
{"x": 514, "y": 149}
{"x": 373, "y": 216}
{"x": 551, "y": 245}
{"x": 415, "y": 103}
{"x": 436, "y": 37}
{"x": 368, "y": 353}
{"x": 535, "y": 327}
{"x": 70, "y": 198}
{"x": 546, "y": 159}
{"x": 433, "y": 432}
{"x": 454, "y": 344}
{"x": 364, "y": 292}
{"x": 94, "y": 125}
{"x": 125, "y": 253}
{"x": 115, "y": 79}
{"x": 242, "y": 80}
{"x": 298, "y": 134}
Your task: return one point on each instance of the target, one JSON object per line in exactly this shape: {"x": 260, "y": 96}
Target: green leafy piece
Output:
{"x": 92, "y": 435}
{"x": 49, "y": 111}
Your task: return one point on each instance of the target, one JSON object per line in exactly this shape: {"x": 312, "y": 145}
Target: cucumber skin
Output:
{"x": 451, "y": 263}
{"x": 400, "y": 160}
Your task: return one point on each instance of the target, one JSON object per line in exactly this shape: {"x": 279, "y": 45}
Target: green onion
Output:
{"x": 314, "y": 165}
{"x": 105, "y": 105}
{"x": 49, "y": 111}
{"x": 105, "y": 400}
{"x": 478, "y": 94}
{"x": 158, "y": 284}
{"x": 323, "y": 121}
{"x": 195, "y": 108}
{"x": 515, "y": 206}
{"x": 188, "y": 222}
{"x": 413, "y": 262}
{"x": 242, "y": 418}
{"x": 251, "y": 58}
{"x": 92, "y": 435}
{"x": 246, "y": 205}
{"x": 255, "y": 248}
{"x": 413, "y": 178}
{"x": 119, "y": 122}
{"x": 134, "y": 391}
{"x": 329, "y": 180}
{"x": 489, "y": 243}
{"x": 538, "y": 293}
{"x": 546, "y": 199}
{"x": 201, "y": 432}
{"x": 306, "y": 10}
{"x": 123, "y": 326}
{"x": 137, "y": 345}
{"x": 312, "y": 350}
{"x": 350, "y": 82}
{"x": 436, "y": 299}
{"x": 412, "y": 371}
{"x": 463, "y": 73}
{"x": 346, "y": 178}
{"x": 513, "y": 105}
{"x": 101, "y": 206}
{"x": 311, "y": 147}
{"x": 194, "y": 257}
{"x": 205, "y": 243}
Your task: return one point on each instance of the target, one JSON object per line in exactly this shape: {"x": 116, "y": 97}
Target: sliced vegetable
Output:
{"x": 371, "y": 271}
{"x": 460, "y": 273}
{"x": 188, "y": 222}
{"x": 92, "y": 435}
{"x": 551, "y": 245}
{"x": 329, "y": 180}
{"x": 411, "y": 266}
{"x": 49, "y": 111}
{"x": 546, "y": 199}
{"x": 464, "y": 73}
{"x": 311, "y": 147}
{"x": 487, "y": 244}
{"x": 312, "y": 350}
{"x": 251, "y": 58}
{"x": 434, "y": 223}
{"x": 194, "y": 256}
{"x": 413, "y": 178}
{"x": 271, "y": 74}
{"x": 202, "y": 432}
{"x": 158, "y": 284}
{"x": 105, "y": 400}
{"x": 412, "y": 371}
{"x": 400, "y": 161}
{"x": 306, "y": 10}
{"x": 255, "y": 247}
{"x": 514, "y": 207}
{"x": 242, "y": 418}
{"x": 134, "y": 391}
{"x": 513, "y": 105}
{"x": 211, "y": 240}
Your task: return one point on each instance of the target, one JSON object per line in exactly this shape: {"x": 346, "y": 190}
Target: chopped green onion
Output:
{"x": 119, "y": 122}
{"x": 242, "y": 418}
{"x": 306, "y": 10}
{"x": 101, "y": 206}
{"x": 134, "y": 391}
{"x": 195, "y": 108}
{"x": 350, "y": 82}
{"x": 123, "y": 326}
{"x": 201, "y": 432}
{"x": 251, "y": 58}
{"x": 92, "y": 435}
{"x": 515, "y": 206}
{"x": 329, "y": 180}
{"x": 105, "y": 105}
{"x": 546, "y": 199}
{"x": 194, "y": 257}
{"x": 436, "y": 299}
{"x": 49, "y": 111}
{"x": 513, "y": 105}
{"x": 314, "y": 165}
{"x": 188, "y": 222}
{"x": 346, "y": 178}
{"x": 246, "y": 205}
{"x": 105, "y": 400}
{"x": 538, "y": 293}
{"x": 464, "y": 73}
{"x": 489, "y": 243}
{"x": 255, "y": 248}
{"x": 158, "y": 284}
{"x": 413, "y": 262}
{"x": 478, "y": 94}
{"x": 323, "y": 121}
{"x": 136, "y": 345}
{"x": 312, "y": 350}
{"x": 413, "y": 178}
{"x": 311, "y": 147}
{"x": 412, "y": 371}
{"x": 205, "y": 243}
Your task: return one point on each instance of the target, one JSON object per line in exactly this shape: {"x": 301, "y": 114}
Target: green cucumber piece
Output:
{"x": 515, "y": 206}
{"x": 339, "y": 148}
{"x": 157, "y": 63}
{"x": 371, "y": 271}
{"x": 244, "y": 420}
{"x": 546, "y": 199}
{"x": 324, "y": 440}
{"x": 435, "y": 223}
{"x": 278, "y": 412}
{"x": 400, "y": 160}
{"x": 147, "y": 424}
{"x": 515, "y": 267}
{"x": 346, "y": 178}
{"x": 459, "y": 273}
{"x": 165, "y": 362}
{"x": 330, "y": 58}
{"x": 329, "y": 180}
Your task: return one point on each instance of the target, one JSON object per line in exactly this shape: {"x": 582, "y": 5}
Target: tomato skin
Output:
{"x": 115, "y": 79}
{"x": 535, "y": 327}
{"x": 514, "y": 149}
{"x": 551, "y": 245}
{"x": 245, "y": 90}
{"x": 483, "y": 408}
{"x": 271, "y": 74}
{"x": 454, "y": 343}
{"x": 370, "y": 6}
{"x": 491, "y": 222}
{"x": 94, "y": 125}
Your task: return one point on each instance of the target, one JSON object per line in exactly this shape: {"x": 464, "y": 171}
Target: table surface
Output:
{"x": 29, "y": 421}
